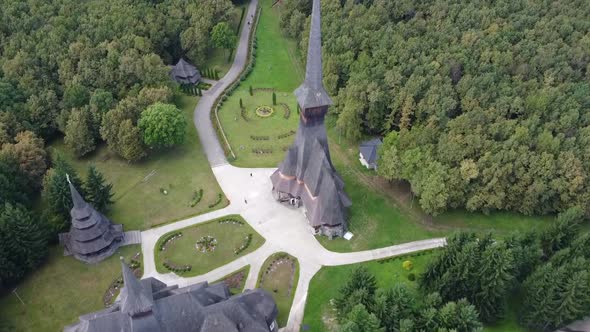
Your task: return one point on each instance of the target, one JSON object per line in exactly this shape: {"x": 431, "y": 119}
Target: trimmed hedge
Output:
{"x": 260, "y": 138}
{"x": 219, "y": 198}
{"x": 197, "y": 195}
{"x": 168, "y": 238}
{"x": 244, "y": 245}
{"x": 176, "y": 268}
{"x": 290, "y": 133}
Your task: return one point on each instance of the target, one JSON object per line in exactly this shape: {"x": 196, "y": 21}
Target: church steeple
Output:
{"x": 312, "y": 94}
{"x": 79, "y": 202}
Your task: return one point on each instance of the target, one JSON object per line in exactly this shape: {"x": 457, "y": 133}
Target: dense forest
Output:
{"x": 483, "y": 104}
{"x": 91, "y": 71}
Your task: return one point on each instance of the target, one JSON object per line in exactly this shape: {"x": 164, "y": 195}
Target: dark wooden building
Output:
{"x": 185, "y": 73}
{"x": 307, "y": 176}
{"x": 92, "y": 237}
{"x": 150, "y": 305}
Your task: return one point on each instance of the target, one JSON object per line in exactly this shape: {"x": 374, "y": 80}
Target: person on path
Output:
{"x": 245, "y": 201}
{"x": 250, "y": 174}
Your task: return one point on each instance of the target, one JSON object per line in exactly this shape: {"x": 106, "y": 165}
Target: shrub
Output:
{"x": 408, "y": 265}
{"x": 251, "y": 91}
{"x": 214, "y": 204}
{"x": 411, "y": 277}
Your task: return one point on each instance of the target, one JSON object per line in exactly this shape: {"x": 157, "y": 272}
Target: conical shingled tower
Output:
{"x": 92, "y": 237}
{"x": 306, "y": 174}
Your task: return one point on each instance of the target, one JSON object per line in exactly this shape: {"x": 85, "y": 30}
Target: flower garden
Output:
{"x": 278, "y": 276}
{"x": 259, "y": 132}
{"x": 203, "y": 247}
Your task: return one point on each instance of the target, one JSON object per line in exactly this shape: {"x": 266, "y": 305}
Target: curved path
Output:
{"x": 285, "y": 229}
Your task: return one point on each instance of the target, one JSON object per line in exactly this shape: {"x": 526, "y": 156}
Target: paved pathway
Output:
{"x": 201, "y": 118}
{"x": 285, "y": 229}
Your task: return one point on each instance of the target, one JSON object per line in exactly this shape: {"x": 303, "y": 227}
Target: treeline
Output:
{"x": 472, "y": 280}
{"x": 485, "y": 103}
{"x": 93, "y": 71}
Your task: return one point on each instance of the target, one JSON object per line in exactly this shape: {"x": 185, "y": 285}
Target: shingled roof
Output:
{"x": 368, "y": 150}
{"x": 150, "y": 305}
{"x": 307, "y": 171}
{"x": 92, "y": 237}
{"x": 312, "y": 93}
{"x": 185, "y": 73}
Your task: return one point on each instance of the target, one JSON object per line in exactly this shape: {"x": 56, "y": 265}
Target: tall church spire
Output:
{"x": 79, "y": 202}
{"x": 312, "y": 93}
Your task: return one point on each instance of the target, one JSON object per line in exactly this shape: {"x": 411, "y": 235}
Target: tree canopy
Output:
{"x": 489, "y": 100}
{"x": 163, "y": 125}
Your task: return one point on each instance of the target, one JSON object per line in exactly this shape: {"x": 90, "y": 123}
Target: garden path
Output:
{"x": 285, "y": 229}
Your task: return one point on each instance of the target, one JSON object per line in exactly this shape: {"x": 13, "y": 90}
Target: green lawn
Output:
{"x": 277, "y": 281}
{"x": 61, "y": 290}
{"x": 182, "y": 250}
{"x": 320, "y": 315}
{"x": 236, "y": 280}
{"x": 239, "y": 131}
{"x": 181, "y": 171}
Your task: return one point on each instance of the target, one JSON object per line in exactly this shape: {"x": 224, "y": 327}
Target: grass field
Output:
{"x": 182, "y": 250}
{"x": 277, "y": 282}
{"x": 59, "y": 291}
{"x": 139, "y": 204}
{"x": 239, "y": 131}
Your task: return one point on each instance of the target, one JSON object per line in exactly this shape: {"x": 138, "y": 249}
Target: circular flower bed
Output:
{"x": 264, "y": 111}
{"x": 206, "y": 244}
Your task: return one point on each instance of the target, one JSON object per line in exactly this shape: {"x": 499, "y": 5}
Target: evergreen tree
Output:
{"x": 241, "y": 104}
{"x": 24, "y": 243}
{"x": 79, "y": 134}
{"x": 393, "y": 305}
{"x": 556, "y": 294}
{"x": 274, "y": 98}
{"x": 561, "y": 233}
{"x": 56, "y": 190}
{"x": 360, "y": 320}
{"x": 98, "y": 192}
{"x": 251, "y": 91}
{"x": 130, "y": 142}
{"x": 360, "y": 287}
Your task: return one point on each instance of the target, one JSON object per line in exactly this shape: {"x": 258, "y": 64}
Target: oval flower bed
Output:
{"x": 264, "y": 111}
{"x": 208, "y": 245}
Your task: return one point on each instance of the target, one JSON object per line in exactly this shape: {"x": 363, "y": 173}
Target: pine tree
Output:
{"x": 98, "y": 192}
{"x": 56, "y": 190}
{"x": 360, "y": 320}
{"x": 24, "y": 243}
{"x": 393, "y": 305}
{"x": 130, "y": 142}
{"x": 79, "y": 135}
{"x": 496, "y": 275}
{"x": 360, "y": 287}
